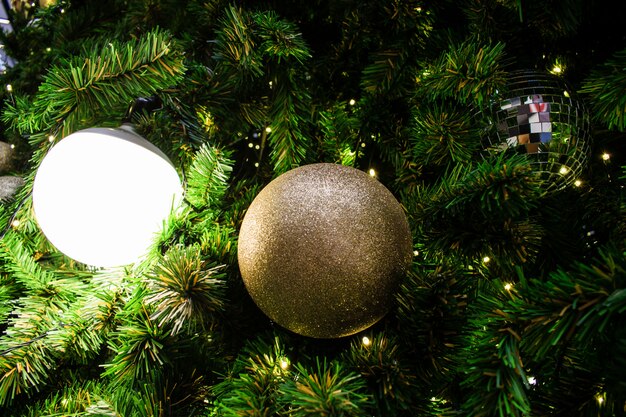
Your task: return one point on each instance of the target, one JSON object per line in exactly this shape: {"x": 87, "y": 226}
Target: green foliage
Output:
{"x": 217, "y": 243}
{"x": 25, "y": 366}
{"x": 576, "y": 312}
{"x": 494, "y": 370}
{"x": 432, "y": 308}
{"x": 388, "y": 71}
{"x": 511, "y": 19}
{"x": 207, "y": 179}
{"x": 104, "y": 80}
{"x": 382, "y": 364}
{"x": 239, "y": 199}
{"x": 487, "y": 18}
{"x": 142, "y": 348}
{"x": 31, "y": 347}
{"x": 279, "y": 39}
{"x": 252, "y": 387}
{"x": 470, "y": 73}
{"x": 184, "y": 292}
{"x": 325, "y": 390}
{"x": 236, "y": 49}
{"x": 606, "y": 87}
{"x": 439, "y": 136}
{"x": 393, "y": 86}
{"x": 581, "y": 303}
{"x": 480, "y": 210}
{"x": 20, "y": 263}
{"x": 87, "y": 399}
{"x": 254, "y": 45}
{"x": 340, "y": 129}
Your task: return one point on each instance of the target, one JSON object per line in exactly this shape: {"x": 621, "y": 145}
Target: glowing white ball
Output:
{"x": 100, "y": 195}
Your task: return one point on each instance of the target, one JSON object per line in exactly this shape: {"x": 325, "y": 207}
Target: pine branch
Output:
{"x": 582, "y": 303}
{"x": 432, "y": 314}
{"x": 289, "y": 144}
{"x": 257, "y": 50}
{"x": 340, "y": 130}
{"x": 326, "y": 390}
{"x": 491, "y": 19}
{"x": 388, "y": 72}
{"x": 27, "y": 359}
{"x": 237, "y": 51}
{"x": 291, "y": 101}
{"x": 279, "y": 38}
{"x": 496, "y": 195}
{"x": 240, "y": 196}
{"x": 606, "y": 87}
{"x": 380, "y": 361}
{"x": 494, "y": 371}
{"x": 252, "y": 386}
{"x": 80, "y": 338}
{"x": 207, "y": 179}
{"x": 39, "y": 333}
{"x": 20, "y": 263}
{"x": 80, "y": 399}
{"x": 218, "y": 243}
{"x": 183, "y": 292}
{"x": 442, "y": 134}
{"x": 470, "y": 73}
{"x": 104, "y": 79}
{"x": 142, "y": 348}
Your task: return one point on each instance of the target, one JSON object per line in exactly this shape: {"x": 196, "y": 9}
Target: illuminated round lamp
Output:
{"x": 100, "y": 195}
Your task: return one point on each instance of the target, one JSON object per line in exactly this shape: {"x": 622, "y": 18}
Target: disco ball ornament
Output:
{"x": 539, "y": 116}
{"x": 322, "y": 249}
{"x": 100, "y": 195}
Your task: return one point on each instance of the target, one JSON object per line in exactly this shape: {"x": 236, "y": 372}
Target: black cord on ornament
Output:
{"x": 31, "y": 341}
{"x": 142, "y": 105}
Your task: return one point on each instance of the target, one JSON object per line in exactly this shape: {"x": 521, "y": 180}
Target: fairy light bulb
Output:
{"x": 366, "y": 341}
{"x": 606, "y": 156}
{"x": 372, "y": 172}
{"x": 101, "y": 195}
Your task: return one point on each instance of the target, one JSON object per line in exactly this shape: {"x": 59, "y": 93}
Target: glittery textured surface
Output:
{"x": 6, "y": 157}
{"x": 322, "y": 249}
{"x": 9, "y": 186}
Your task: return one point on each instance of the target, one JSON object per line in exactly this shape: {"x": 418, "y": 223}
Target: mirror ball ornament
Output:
{"x": 322, "y": 249}
{"x": 100, "y": 195}
{"x": 538, "y": 115}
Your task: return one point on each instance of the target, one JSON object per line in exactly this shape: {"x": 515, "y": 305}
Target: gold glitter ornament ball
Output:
{"x": 322, "y": 249}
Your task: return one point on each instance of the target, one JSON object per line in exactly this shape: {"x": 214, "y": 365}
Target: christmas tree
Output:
{"x": 514, "y": 302}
